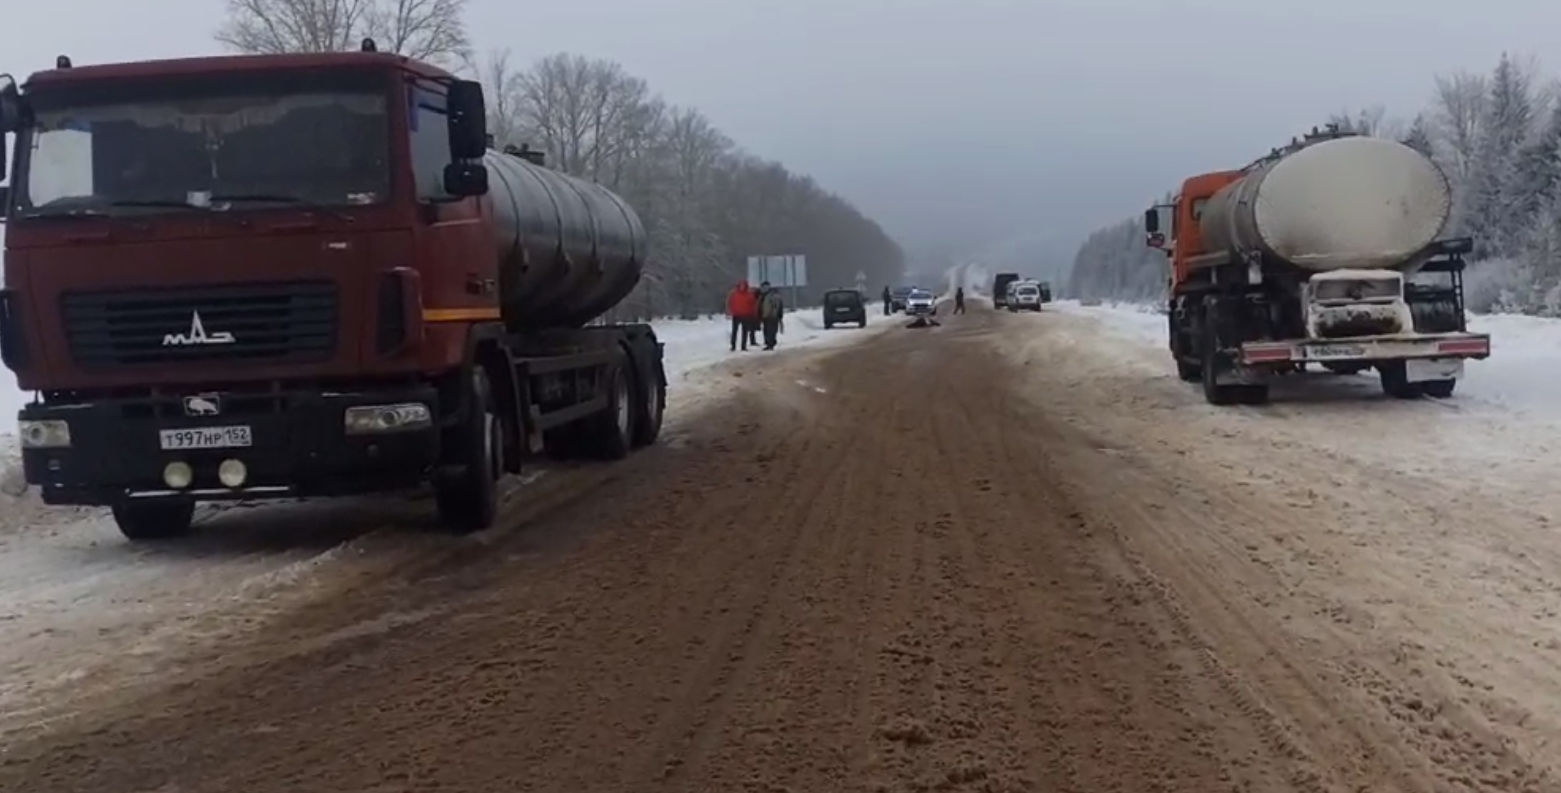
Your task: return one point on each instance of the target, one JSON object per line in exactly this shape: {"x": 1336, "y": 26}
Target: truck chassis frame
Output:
{"x": 1234, "y": 324}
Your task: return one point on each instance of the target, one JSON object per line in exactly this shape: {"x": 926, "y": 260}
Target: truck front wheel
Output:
{"x": 468, "y": 500}
{"x": 141, "y": 521}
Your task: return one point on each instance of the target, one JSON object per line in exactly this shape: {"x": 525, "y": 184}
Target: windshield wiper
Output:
{"x": 282, "y": 199}
{"x": 154, "y": 202}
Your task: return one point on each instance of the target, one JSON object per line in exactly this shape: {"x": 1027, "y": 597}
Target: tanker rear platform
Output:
{"x": 909, "y": 565}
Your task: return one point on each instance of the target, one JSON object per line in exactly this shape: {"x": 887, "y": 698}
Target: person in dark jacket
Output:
{"x": 771, "y": 313}
{"x": 959, "y": 300}
{"x": 886, "y": 301}
{"x": 751, "y": 327}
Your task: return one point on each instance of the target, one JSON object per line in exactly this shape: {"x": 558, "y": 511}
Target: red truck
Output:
{"x": 244, "y": 277}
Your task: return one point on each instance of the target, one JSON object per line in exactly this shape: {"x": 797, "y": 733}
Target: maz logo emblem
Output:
{"x": 202, "y": 405}
{"x": 197, "y": 335}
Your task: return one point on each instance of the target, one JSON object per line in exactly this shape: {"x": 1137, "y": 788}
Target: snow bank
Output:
{"x": 1522, "y": 375}
{"x": 696, "y": 344}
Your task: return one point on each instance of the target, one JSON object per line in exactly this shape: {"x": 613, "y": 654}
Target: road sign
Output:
{"x": 791, "y": 270}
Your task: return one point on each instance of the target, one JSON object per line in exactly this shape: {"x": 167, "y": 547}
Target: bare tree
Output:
{"x": 502, "y": 92}
{"x": 431, "y": 30}
{"x": 428, "y": 30}
{"x": 269, "y": 27}
{"x": 1458, "y": 108}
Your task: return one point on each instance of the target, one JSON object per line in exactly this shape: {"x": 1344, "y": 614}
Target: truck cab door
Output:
{"x": 460, "y": 266}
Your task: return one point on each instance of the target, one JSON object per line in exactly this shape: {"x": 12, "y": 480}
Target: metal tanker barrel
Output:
{"x": 569, "y": 249}
{"x": 1344, "y": 203}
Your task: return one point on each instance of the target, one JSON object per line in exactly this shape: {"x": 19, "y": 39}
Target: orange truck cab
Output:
{"x": 246, "y": 277}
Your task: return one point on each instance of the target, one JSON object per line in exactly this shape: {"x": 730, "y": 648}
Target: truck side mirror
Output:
{"x": 1152, "y": 220}
{"x": 468, "y": 120}
{"x": 10, "y": 105}
{"x": 465, "y": 179}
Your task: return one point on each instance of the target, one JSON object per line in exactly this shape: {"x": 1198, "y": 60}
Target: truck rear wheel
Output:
{"x": 1395, "y": 381}
{"x": 469, "y": 500}
{"x": 653, "y": 408}
{"x": 1212, "y": 363}
{"x": 612, "y": 430}
{"x": 1439, "y": 389}
{"x": 142, "y": 521}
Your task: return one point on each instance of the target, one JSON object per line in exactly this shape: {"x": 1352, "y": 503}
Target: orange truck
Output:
{"x": 1326, "y": 252}
{"x": 250, "y": 277}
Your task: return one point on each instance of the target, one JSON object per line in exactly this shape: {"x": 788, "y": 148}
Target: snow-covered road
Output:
{"x": 84, "y": 615}
{"x": 1408, "y": 550}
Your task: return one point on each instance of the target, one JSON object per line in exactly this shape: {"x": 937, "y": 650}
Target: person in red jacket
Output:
{"x": 743, "y": 307}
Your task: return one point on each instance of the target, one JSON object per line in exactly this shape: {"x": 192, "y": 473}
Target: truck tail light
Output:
{"x": 13, "y": 344}
{"x": 399, "y": 310}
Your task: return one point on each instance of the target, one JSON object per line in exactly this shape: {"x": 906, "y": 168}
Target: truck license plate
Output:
{"x": 237, "y": 437}
{"x": 1335, "y": 351}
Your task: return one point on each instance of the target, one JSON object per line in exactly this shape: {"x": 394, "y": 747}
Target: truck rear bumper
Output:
{"x": 1368, "y": 349}
{"x": 298, "y": 444}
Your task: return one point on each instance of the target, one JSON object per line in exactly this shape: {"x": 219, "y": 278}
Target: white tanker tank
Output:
{"x": 1343, "y": 203}
{"x": 569, "y": 249}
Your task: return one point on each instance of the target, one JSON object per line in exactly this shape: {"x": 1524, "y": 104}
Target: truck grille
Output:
{"x": 272, "y": 322}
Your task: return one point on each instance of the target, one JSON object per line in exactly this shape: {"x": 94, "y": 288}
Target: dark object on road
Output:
{"x": 844, "y": 305}
{"x": 1000, "y": 288}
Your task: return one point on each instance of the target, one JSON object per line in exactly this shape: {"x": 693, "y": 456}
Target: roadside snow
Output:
{"x": 1498, "y": 433}
{"x": 696, "y": 350}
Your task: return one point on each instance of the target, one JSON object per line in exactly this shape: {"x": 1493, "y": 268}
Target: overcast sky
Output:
{"x": 962, "y": 121}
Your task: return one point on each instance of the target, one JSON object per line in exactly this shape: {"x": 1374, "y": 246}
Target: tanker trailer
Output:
{"x": 568, "y": 249}
{"x": 1328, "y": 251}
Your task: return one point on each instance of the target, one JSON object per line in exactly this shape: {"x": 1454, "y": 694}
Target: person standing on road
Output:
{"x": 771, "y": 313}
{"x": 959, "y": 300}
{"x": 751, "y": 327}
{"x": 886, "y": 301}
{"x": 743, "y": 308}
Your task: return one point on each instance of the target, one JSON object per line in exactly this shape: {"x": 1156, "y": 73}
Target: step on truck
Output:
{"x": 1328, "y": 253}
{"x": 246, "y": 277}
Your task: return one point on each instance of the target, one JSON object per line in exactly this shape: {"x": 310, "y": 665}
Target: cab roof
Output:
{"x": 231, "y": 63}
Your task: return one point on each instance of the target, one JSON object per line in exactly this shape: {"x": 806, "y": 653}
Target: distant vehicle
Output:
{"x": 844, "y": 305}
{"x": 1024, "y": 296}
{"x": 1089, "y": 301}
{"x": 897, "y": 297}
{"x": 1046, "y": 292}
{"x": 1000, "y": 288}
{"x": 920, "y": 302}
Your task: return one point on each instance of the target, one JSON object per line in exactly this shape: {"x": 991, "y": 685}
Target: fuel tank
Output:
{"x": 569, "y": 249}
{"x": 1344, "y": 203}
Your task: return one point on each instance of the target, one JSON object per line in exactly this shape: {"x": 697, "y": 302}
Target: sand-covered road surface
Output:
{"x": 979, "y": 557}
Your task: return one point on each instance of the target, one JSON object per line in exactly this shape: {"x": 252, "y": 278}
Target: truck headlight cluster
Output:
{"x": 48, "y": 434}
{"x": 382, "y": 419}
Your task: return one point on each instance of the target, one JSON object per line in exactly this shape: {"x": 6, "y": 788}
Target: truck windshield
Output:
{"x": 216, "y": 144}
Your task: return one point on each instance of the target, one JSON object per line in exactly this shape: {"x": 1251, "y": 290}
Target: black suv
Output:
{"x": 844, "y": 305}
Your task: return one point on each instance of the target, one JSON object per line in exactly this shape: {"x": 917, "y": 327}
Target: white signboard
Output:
{"x": 791, "y": 271}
